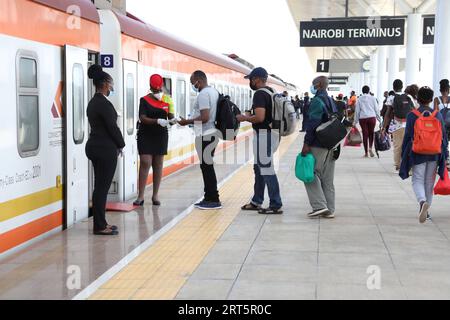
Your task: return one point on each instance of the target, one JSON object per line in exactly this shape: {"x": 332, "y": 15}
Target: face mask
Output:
{"x": 158, "y": 96}
{"x": 194, "y": 88}
{"x": 313, "y": 90}
{"x": 111, "y": 92}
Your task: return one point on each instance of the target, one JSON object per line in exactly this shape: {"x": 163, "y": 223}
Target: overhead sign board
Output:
{"x": 338, "y": 80}
{"x": 346, "y": 32}
{"x": 323, "y": 66}
{"x": 428, "y": 30}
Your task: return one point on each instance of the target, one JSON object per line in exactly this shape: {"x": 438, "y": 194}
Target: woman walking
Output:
{"x": 103, "y": 147}
{"x": 367, "y": 113}
{"x": 442, "y": 102}
{"x": 424, "y": 150}
{"x": 155, "y": 111}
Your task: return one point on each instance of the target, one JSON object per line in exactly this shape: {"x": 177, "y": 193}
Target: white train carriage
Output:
{"x": 46, "y": 49}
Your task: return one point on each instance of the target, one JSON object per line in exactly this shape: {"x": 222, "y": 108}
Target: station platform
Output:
{"x": 178, "y": 252}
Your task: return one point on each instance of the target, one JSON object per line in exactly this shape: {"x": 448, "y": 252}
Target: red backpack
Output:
{"x": 427, "y": 134}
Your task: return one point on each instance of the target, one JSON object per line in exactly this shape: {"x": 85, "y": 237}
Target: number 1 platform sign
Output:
{"x": 107, "y": 60}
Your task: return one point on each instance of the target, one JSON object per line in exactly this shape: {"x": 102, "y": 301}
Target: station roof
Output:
{"x": 306, "y": 10}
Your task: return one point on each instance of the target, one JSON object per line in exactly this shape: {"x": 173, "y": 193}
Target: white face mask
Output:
{"x": 158, "y": 96}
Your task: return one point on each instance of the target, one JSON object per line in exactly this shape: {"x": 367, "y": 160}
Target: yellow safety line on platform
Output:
{"x": 161, "y": 271}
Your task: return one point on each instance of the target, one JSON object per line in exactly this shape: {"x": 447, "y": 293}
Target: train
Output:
{"x": 47, "y": 46}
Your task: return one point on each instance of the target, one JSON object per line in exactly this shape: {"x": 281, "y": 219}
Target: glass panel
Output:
{"x": 28, "y": 73}
{"x": 220, "y": 88}
{"x": 233, "y": 94}
{"x": 28, "y": 124}
{"x": 238, "y": 98}
{"x": 226, "y": 91}
{"x": 130, "y": 104}
{"x": 181, "y": 98}
{"x": 78, "y": 103}
{"x": 243, "y": 102}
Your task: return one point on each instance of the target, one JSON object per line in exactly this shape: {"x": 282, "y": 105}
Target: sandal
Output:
{"x": 250, "y": 207}
{"x": 270, "y": 211}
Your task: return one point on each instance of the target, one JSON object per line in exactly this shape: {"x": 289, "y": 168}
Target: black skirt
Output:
{"x": 154, "y": 144}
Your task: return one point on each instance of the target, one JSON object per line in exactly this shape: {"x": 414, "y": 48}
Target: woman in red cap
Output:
{"x": 155, "y": 111}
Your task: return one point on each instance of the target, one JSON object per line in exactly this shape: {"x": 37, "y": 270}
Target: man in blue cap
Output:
{"x": 265, "y": 144}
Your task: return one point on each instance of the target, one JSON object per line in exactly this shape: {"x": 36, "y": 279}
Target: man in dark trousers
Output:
{"x": 305, "y": 111}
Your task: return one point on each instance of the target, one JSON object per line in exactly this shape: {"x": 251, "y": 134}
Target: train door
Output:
{"x": 130, "y": 114}
{"x": 76, "y": 135}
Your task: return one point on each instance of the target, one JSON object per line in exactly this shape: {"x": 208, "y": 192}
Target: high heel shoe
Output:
{"x": 138, "y": 203}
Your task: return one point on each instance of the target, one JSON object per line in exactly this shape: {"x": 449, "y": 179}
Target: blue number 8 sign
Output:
{"x": 107, "y": 60}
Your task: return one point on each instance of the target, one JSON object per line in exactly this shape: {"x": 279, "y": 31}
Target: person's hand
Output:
{"x": 241, "y": 118}
{"x": 163, "y": 122}
{"x": 183, "y": 122}
{"x": 173, "y": 121}
{"x": 306, "y": 149}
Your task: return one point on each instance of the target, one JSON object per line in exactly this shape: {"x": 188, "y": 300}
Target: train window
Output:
{"x": 220, "y": 88}
{"x": 233, "y": 95}
{"x": 181, "y": 98}
{"x": 27, "y": 104}
{"x": 226, "y": 91}
{"x": 168, "y": 86}
{"x": 78, "y": 103}
{"x": 243, "y": 102}
{"x": 238, "y": 98}
{"x": 130, "y": 104}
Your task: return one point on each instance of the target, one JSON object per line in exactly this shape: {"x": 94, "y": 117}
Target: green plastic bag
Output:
{"x": 304, "y": 168}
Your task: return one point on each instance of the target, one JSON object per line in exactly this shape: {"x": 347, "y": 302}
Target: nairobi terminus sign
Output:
{"x": 371, "y": 31}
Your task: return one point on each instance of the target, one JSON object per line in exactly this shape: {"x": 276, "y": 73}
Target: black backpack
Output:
{"x": 226, "y": 121}
{"x": 402, "y": 106}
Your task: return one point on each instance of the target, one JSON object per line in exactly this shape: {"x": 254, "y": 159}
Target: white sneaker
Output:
{"x": 424, "y": 206}
{"x": 318, "y": 212}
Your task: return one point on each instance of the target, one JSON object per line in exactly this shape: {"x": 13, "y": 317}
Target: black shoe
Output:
{"x": 156, "y": 203}
{"x": 106, "y": 232}
{"x": 271, "y": 211}
{"x": 138, "y": 203}
{"x": 112, "y": 227}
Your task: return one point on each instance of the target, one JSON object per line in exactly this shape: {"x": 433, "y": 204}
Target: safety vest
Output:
{"x": 157, "y": 104}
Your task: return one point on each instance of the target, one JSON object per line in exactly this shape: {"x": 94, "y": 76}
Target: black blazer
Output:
{"x": 103, "y": 120}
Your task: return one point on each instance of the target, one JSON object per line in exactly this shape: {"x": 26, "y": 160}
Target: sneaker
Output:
{"x": 208, "y": 205}
{"x": 429, "y": 217}
{"x": 423, "y": 212}
{"x": 318, "y": 212}
{"x": 328, "y": 215}
{"x": 371, "y": 154}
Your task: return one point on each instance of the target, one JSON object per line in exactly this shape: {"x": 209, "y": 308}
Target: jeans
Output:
{"x": 206, "y": 147}
{"x": 265, "y": 144}
{"x": 423, "y": 179}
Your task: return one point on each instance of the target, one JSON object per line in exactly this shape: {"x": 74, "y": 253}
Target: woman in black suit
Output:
{"x": 103, "y": 147}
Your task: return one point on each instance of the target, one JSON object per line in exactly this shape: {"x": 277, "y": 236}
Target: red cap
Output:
{"x": 156, "y": 82}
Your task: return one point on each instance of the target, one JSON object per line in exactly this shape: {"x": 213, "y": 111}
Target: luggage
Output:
{"x": 443, "y": 186}
{"x": 382, "y": 142}
{"x": 284, "y": 117}
{"x": 304, "y": 167}
{"x": 226, "y": 121}
{"x": 427, "y": 134}
{"x": 332, "y": 132}
{"x": 354, "y": 139}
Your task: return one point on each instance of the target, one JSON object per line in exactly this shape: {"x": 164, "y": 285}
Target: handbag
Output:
{"x": 443, "y": 185}
{"x": 332, "y": 132}
{"x": 354, "y": 139}
{"x": 304, "y": 167}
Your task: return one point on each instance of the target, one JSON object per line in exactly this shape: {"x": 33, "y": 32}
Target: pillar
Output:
{"x": 441, "y": 43}
{"x": 393, "y": 65}
{"x": 414, "y": 42}
{"x": 382, "y": 84}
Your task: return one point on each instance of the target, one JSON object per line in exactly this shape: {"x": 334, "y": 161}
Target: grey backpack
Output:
{"x": 284, "y": 117}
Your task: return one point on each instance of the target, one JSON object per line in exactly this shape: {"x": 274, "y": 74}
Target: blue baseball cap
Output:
{"x": 258, "y": 73}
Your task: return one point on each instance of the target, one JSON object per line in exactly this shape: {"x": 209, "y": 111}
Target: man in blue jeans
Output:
{"x": 265, "y": 144}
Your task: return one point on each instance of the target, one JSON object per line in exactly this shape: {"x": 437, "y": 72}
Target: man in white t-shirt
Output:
{"x": 207, "y": 138}
{"x": 398, "y": 120}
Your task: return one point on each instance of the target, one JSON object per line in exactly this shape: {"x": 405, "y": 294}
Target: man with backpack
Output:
{"x": 424, "y": 150}
{"x": 265, "y": 144}
{"x": 398, "y": 108}
{"x": 320, "y": 191}
{"x": 207, "y": 137}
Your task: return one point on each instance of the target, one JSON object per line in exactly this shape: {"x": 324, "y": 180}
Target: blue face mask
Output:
{"x": 111, "y": 93}
{"x": 313, "y": 90}
{"x": 194, "y": 88}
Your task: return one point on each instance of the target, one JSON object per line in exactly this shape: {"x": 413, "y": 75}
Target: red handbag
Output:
{"x": 443, "y": 186}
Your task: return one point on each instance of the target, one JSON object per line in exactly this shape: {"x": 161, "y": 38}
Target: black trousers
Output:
{"x": 206, "y": 147}
{"x": 104, "y": 162}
